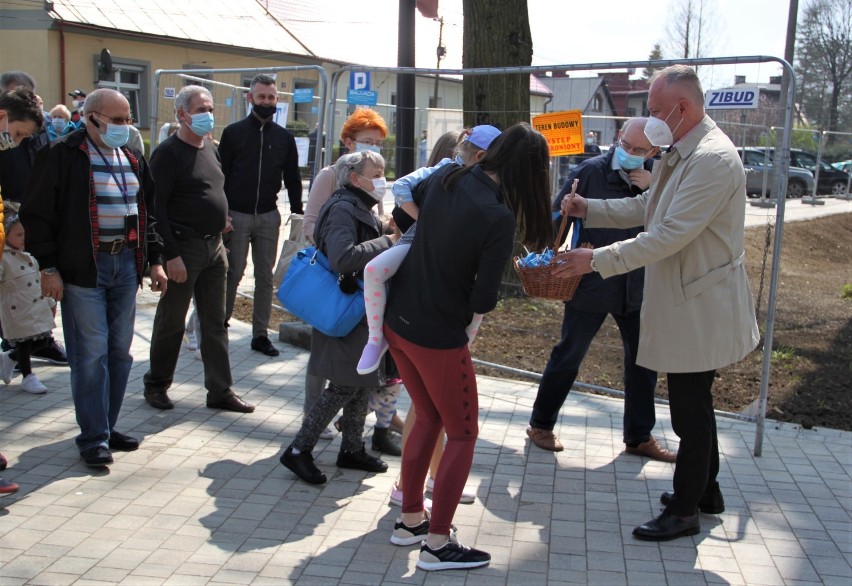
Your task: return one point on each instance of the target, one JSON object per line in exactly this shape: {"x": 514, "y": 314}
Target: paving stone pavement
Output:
{"x": 205, "y": 501}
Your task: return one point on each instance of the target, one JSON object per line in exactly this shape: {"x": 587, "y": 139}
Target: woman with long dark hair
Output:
{"x": 466, "y": 229}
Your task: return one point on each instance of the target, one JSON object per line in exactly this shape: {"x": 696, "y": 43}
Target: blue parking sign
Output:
{"x": 359, "y": 80}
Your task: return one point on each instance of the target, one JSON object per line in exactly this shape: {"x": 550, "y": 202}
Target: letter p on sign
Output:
{"x": 359, "y": 80}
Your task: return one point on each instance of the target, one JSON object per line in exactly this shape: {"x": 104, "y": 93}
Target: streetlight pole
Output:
{"x": 441, "y": 51}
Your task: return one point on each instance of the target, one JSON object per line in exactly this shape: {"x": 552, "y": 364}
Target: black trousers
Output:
{"x": 694, "y": 422}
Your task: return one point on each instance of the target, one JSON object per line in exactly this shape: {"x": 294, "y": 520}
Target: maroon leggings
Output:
{"x": 442, "y": 386}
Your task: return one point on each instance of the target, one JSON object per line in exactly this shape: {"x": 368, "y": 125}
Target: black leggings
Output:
{"x": 23, "y": 351}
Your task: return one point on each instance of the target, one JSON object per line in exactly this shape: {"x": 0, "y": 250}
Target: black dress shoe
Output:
{"x": 119, "y": 442}
{"x": 666, "y": 527}
{"x": 360, "y": 460}
{"x": 158, "y": 399}
{"x": 302, "y": 465}
{"x": 96, "y": 457}
{"x": 262, "y": 344}
{"x": 712, "y": 502}
{"x": 231, "y": 403}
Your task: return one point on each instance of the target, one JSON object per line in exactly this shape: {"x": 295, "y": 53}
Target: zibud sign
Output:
{"x": 730, "y": 99}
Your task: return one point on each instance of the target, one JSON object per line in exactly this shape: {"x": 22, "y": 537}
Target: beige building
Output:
{"x": 71, "y": 44}
{"x": 64, "y": 44}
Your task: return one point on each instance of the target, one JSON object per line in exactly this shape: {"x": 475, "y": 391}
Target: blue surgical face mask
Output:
{"x": 459, "y": 161}
{"x": 59, "y": 125}
{"x": 361, "y": 147}
{"x": 202, "y": 123}
{"x": 628, "y": 161}
{"x": 116, "y": 135}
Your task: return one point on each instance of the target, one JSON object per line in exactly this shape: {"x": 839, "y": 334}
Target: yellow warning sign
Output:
{"x": 563, "y": 131}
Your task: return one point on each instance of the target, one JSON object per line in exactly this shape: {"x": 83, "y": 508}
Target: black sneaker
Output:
{"x": 52, "y": 352}
{"x": 302, "y": 465}
{"x": 360, "y": 460}
{"x": 96, "y": 457}
{"x": 451, "y": 556}
{"x": 262, "y": 344}
{"x": 405, "y": 535}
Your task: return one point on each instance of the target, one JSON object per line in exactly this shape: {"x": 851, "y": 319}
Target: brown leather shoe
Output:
{"x": 545, "y": 439}
{"x": 231, "y": 402}
{"x": 652, "y": 449}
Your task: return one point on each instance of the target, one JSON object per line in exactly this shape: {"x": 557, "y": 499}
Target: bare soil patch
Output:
{"x": 812, "y": 356}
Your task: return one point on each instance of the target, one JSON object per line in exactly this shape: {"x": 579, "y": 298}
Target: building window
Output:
{"x": 131, "y": 81}
{"x": 597, "y": 103}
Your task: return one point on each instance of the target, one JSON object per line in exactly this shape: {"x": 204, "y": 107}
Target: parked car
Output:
{"x": 843, "y": 166}
{"x": 799, "y": 181}
{"x": 831, "y": 181}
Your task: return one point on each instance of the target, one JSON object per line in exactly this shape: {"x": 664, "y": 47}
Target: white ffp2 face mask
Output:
{"x": 658, "y": 132}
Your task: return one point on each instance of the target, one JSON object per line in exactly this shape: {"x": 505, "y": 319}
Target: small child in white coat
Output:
{"x": 25, "y": 313}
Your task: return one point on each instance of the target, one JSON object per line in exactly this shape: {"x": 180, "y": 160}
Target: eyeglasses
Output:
{"x": 115, "y": 119}
{"x": 370, "y": 142}
{"x": 634, "y": 150}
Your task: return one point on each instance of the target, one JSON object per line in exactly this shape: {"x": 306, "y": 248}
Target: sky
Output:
{"x": 578, "y": 31}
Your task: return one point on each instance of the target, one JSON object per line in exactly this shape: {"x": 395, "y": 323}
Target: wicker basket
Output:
{"x": 541, "y": 282}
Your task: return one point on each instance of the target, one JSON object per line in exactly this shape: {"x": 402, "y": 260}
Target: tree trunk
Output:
{"x": 496, "y": 35}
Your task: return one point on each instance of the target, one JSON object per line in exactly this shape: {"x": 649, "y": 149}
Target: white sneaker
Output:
{"x": 466, "y": 498}
{"x": 31, "y": 384}
{"x": 7, "y": 367}
{"x": 328, "y": 434}
{"x": 198, "y": 353}
{"x": 396, "y": 498}
{"x": 190, "y": 341}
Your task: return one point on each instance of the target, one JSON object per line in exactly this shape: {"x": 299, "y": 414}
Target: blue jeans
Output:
{"x": 578, "y": 330}
{"x": 98, "y": 325}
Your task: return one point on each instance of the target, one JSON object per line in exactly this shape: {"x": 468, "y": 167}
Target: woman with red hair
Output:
{"x": 364, "y": 130}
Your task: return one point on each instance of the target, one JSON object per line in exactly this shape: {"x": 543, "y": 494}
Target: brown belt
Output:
{"x": 113, "y": 247}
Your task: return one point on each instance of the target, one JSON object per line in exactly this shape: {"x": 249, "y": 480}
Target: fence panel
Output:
{"x": 302, "y": 98}
{"x": 576, "y": 87}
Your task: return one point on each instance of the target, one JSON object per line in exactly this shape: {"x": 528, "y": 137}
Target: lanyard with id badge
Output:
{"x": 131, "y": 221}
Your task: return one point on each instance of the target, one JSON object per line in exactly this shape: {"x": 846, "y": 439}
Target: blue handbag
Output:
{"x": 310, "y": 291}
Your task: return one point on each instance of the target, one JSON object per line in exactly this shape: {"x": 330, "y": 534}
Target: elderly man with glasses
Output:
{"x": 624, "y": 171}
{"x": 89, "y": 218}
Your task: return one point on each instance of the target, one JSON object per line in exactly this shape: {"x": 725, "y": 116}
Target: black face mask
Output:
{"x": 263, "y": 112}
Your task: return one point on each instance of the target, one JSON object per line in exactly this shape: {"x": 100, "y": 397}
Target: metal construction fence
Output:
{"x": 302, "y": 92}
{"x": 441, "y": 106}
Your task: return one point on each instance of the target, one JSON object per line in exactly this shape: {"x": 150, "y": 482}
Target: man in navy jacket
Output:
{"x": 624, "y": 171}
{"x": 256, "y": 155}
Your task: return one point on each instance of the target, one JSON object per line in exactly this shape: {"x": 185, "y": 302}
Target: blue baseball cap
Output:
{"x": 482, "y": 136}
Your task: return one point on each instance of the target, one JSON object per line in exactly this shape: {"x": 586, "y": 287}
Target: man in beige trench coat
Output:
{"x": 698, "y": 313}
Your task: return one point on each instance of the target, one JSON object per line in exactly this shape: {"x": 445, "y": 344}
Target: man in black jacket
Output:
{"x": 256, "y": 154}
{"x": 621, "y": 172}
{"x": 89, "y": 218}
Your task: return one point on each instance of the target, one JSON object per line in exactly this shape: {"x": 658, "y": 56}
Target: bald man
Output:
{"x": 698, "y": 313}
{"x": 622, "y": 172}
{"x": 89, "y": 218}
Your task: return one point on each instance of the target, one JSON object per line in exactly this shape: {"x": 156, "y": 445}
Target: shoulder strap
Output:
{"x": 335, "y": 199}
